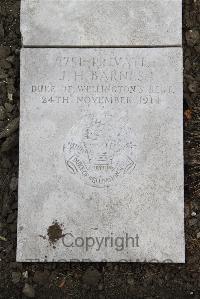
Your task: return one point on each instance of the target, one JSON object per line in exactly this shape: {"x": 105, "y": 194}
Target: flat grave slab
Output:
{"x": 101, "y": 155}
{"x": 101, "y": 22}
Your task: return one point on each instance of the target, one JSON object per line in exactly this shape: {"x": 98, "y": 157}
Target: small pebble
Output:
{"x": 193, "y": 214}
{"x": 91, "y": 277}
{"x": 11, "y": 218}
{"x": 192, "y": 37}
{"x": 193, "y": 87}
{"x": 3, "y": 74}
{"x": 9, "y": 143}
{"x": 10, "y": 97}
{"x": 14, "y": 206}
{"x": 11, "y": 59}
{"x": 6, "y": 164}
{"x": 41, "y": 277}
{"x": 9, "y": 107}
{"x": 1, "y": 31}
{"x": 2, "y": 113}
{"x": 13, "y": 184}
{"x": 100, "y": 287}
{"x": 130, "y": 281}
{"x": 10, "y": 128}
{"x": 25, "y": 274}
{"x": 5, "y": 64}
{"x": 10, "y": 86}
{"x": 28, "y": 291}
{"x": 192, "y": 221}
{"x": 16, "y": 276}
{"x": 4, "y": 52}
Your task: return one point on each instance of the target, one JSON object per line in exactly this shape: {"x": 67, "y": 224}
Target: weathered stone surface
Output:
{"x": 101, "y": 155}
{"x": 101, "y": 22}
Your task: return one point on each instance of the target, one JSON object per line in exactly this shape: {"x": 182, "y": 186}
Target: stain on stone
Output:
{"x": 55, "y": 232}
{"x": 43, "y": 237}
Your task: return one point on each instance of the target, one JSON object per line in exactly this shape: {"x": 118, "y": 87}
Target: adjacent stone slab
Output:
{"x": 101, "y": 22}
{"x": 101, "y": 155}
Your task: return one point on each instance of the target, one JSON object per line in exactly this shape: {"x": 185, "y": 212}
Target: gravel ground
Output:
{"x": 109, "y": 280}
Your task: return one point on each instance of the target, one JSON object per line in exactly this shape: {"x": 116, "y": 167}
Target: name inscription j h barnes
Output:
{"x": 91, "y": 79}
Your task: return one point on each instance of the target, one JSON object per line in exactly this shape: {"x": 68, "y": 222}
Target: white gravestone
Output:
{"x": 101, "y": 155}
{"x": 101, "y": 22}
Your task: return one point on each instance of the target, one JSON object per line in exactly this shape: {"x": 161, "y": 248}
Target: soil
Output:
{"x": 98, "y": 280}
{"x": 54, "y": 232}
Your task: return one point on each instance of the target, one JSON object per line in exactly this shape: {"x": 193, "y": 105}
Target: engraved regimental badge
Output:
{"x": 100, "y": 149}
